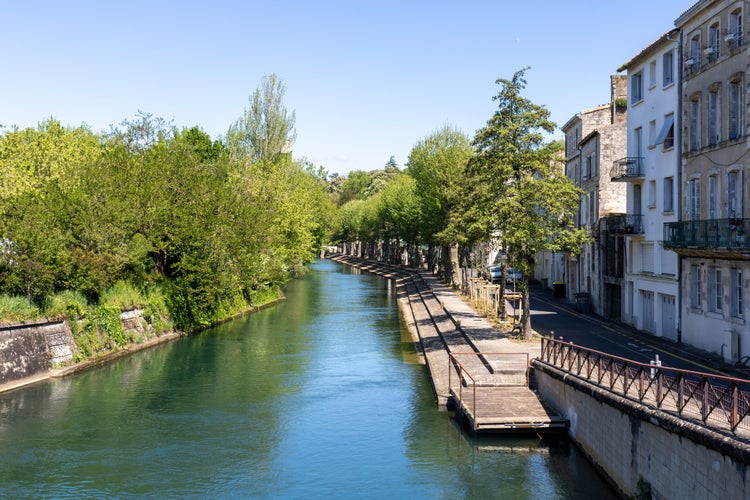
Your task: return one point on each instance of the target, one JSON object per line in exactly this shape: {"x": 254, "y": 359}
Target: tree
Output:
{"x": 438, "y": 164}
{"x": 265, "y": 131}
{"x": 517, "y": 186}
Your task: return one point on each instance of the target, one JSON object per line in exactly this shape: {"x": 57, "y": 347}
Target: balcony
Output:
{"x": 729, "y": 234}
{"x": 625, "y": 224}
{"x": 627, "y": 169}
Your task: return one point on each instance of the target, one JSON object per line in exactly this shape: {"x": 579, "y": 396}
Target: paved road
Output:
{"x": 556, "y": 315}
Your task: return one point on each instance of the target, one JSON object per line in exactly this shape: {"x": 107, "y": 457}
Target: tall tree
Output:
{"x": 265, "y": 131}
{"x": 438, "y": 164}
{"x": 517, "y": 179}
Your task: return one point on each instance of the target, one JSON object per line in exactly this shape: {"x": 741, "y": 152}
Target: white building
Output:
{"x": 651, "y": 169}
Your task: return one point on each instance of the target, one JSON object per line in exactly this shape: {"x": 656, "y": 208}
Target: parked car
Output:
{"x": 492, "y": 273}
{"x": 514, "y": 275}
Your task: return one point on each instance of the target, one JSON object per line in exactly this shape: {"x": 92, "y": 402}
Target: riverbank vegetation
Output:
{"x": 146, "y": 215}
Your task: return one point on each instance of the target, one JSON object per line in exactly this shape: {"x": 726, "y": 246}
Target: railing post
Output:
{"x": 735, "y": 414}
{"x": 704, "y": 402}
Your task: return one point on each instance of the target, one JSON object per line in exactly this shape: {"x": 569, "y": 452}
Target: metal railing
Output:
{"x": 468, "y": 382}
{"x": 717, "y": 401}
{"x": 627, "y": 168}
{"x": 625, "y": 223}
{"x": 708, "y": 233}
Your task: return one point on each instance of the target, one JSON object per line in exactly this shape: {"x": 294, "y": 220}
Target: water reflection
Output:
{"x": 311, "y": 398}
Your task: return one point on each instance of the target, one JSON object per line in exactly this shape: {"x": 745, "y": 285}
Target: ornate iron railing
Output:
{"x": 718, "y": 401}
{"x": 627, "y": 168}
{"x": 625, "y": 223}
{"x": 708, "y": 233}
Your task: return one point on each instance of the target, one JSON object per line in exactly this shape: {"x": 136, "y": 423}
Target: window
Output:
{"x": 734, "y": 195}
{"x": 695, "y": 287}
{"x": 668, "y": 68}
{"x": 652, "y": 74}
{"x": 734, "y": 37}
{"x": 587, "y": 172}
{"x": 694, "y": 62}
{"x": 715, "y": 289}
{"x": 694, "y": 199}
{"x": 666, "y": 135}
{"x": 713, "y": 213}
{"x": 638, "y": 144}
{"x": 647, "y": 257}
{"x": 652, "y": 134}
{"x": 651, "y": 194}
{"x": 735, "y": 294}
{"x": 668, "y": 190}
{"x": 735, "y": 108}
{"x": 712, "y": 51}
{"x": 636, "y": 88}
{"x": 714, "y": 107}
{"x": 695, "y": 123}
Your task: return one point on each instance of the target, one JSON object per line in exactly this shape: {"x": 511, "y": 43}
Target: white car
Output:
{"x": 493, "y": 273}
{"x": 514, "y": 275}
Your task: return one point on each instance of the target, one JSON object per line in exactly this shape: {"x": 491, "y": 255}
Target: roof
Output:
{"x": 581, "y": 113}
{"x": 690, "y": 11}
{"x": 649, "y": 49}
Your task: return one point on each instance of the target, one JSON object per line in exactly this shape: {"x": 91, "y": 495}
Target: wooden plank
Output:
{"x": 504, "y": 409}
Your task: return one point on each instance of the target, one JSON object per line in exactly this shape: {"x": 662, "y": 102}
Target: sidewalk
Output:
{"x": 623, "y": 340}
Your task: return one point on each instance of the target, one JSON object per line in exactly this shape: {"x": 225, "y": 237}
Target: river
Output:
{"x": 319, "y": 396}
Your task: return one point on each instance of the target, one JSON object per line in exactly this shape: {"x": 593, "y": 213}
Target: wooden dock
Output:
{"x": 505, "y": 409}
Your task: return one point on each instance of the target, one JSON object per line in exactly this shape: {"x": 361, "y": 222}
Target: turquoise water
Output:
{"x": 317, "y": 397}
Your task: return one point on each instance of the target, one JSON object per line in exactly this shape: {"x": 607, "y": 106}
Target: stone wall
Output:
{"x": 641, "y": 449}
{"x": 30, "y": 348}
{"x": 35, "y": 347}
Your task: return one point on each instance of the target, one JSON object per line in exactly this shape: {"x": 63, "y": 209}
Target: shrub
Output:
{"x": 68, "y": 304}
{"x": 101, "y": 330}
{"x": 17, "y": 309}
{"x": 124, "y": 296}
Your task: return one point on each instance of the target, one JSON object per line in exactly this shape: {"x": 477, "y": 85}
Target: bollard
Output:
{"x": 655, "y": 364}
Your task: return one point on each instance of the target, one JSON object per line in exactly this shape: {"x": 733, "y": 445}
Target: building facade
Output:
{"x": 650, "y": 171}
{"x": 594, "y": 138}
{"x": 713, "y": 235}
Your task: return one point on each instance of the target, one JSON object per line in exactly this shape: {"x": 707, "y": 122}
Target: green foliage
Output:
{"x": 156, "y": 312}
{"x": 18, "y": 309}
{"x": 265, "y": 131}
{"x": 262, "y": 296}
{"x": 67, "y": 303}
{"x": 101, "y": 331}
{"x": 123, "y": 296}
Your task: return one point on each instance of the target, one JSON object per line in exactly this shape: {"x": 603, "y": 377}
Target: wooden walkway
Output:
{"x": 505, "y": 409}
{"x": 466, "y": 356}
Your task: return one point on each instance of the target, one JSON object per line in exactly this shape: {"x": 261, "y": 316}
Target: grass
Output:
{"x": 17, "y": 309}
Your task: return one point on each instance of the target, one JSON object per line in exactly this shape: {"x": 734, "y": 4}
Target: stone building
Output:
{"x": 713, "y": 236}
{"x": 594, "y": 139}
{"x": 650, "y": 171}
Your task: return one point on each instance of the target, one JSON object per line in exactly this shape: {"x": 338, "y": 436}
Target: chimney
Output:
{"x": 619, "y": 94}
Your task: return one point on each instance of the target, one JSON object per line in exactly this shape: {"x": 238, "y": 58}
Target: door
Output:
{"x": 668, "y": 318}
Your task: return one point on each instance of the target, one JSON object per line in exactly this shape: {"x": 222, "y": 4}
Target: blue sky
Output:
{"x": 367, "y": 79}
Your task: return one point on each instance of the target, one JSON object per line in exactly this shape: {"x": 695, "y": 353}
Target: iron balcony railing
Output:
{"x": 717, "y": 401}
{"x": 626, "y": 169}
{"x": 625, "y": 224}
{"x": 708, "y": 233}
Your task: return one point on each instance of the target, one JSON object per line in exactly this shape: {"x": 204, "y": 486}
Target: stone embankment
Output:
{"x": 442, "y": 324}
{"x": 36, "y": 350}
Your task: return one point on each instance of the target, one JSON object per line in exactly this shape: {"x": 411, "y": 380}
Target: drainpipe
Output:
{"x": 678, "y": 127}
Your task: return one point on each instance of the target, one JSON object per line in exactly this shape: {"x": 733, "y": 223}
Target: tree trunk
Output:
{"x": 526, "y": 308}
{"x": 455, "y": 268}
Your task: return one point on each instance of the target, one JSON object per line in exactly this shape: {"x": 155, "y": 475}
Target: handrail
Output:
{"x": 723, "y": 400}
{"x": 455, "y": 364}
